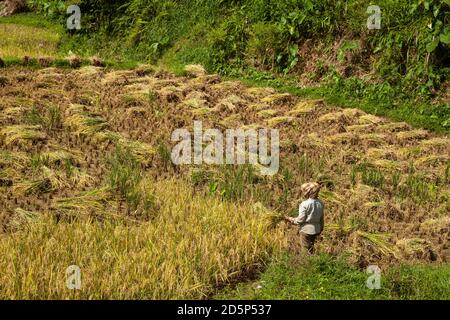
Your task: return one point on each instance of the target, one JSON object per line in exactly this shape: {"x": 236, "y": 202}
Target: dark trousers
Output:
{"x": 307, "y": 241}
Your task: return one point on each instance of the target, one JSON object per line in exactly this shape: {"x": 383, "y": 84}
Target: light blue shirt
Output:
{"x": 310, "y": 216}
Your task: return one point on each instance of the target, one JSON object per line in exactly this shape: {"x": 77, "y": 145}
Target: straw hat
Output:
{"x": 310, "y": 189}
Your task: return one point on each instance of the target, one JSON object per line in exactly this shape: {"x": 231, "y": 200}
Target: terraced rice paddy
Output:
{"x": 86, "y": 179}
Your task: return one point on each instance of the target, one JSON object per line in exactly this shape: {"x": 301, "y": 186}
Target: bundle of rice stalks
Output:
{"x": 359, "y": 128}
{"x": 227, "y": 86}
{"x": 89, "y": 71}
{"x": 436, "y": 142}
{"x": 22, "y": 219}
{"x": 135, "y": 98}
{"x": 333, "y": 117}
{"x": 118, "y": 77}
{"x": 267, "y": 113}
{"x": 370, "y": 119}
{"x": 97, "y": 202}
{"x": 19, "y": 134}
{"x": 86, "y": 123}
{"x": 258, "y": 91}
{"x": 28, "y": 187}
{"x": 233, "y": 121}
{"x": 409, "y": 152}
{"x": 313, "y": 141}
{"x": 74, "y": 61}
{"x": 61, "y": 156}
{"x": 136, "y": 111}
{"x": 394, "y": 127}
{"x": 389, "y": 164}
{"x": 332, "y": 197}
{"x": 273, "y": 217}
{"x": 143, "y": 70}
{"x": 8, "y": 176}
{"x": 412, "y": 135}
{"x": 413, "y": 246}
{"x": 195, "y": 70}
{"x": 277, "y": 98}
{"x": 431, "y": 160}
{"x": 341, "y": 228}
{"x": 344, "y": 137}
{"x": 202, "y": 111}
{"x": 16, "y": 160}
{"x": 436, "y": 224}
{"x": 378, "y": 153}
{"x": 279, "y": 120}
{"x": 141, "y": 151}
{"x": 374, "y": 138}
{"x": 80, "y": 178}
{"x": 380, "y": 242}
{"x": 12, "y": 113}
{"x": 353, "y": 113}
{"x": 46, "y": 62}
{"x": 302, "y": 108}
{"x": 46, "y": 181}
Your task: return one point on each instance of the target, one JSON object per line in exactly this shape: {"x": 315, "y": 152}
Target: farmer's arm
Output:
{"x": 301, "y": 215}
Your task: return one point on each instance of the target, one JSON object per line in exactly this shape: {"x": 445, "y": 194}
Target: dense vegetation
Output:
{"x": 400, "y": 70}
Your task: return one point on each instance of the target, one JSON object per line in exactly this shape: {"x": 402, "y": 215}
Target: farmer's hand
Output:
{"x": 290, "y": 219}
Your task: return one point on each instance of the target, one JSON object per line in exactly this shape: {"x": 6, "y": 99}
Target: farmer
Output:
{"x": 310, "y": 217}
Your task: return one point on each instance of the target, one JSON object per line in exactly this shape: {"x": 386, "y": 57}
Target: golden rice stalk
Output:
{"x": 332, "y": 197}
{"x": 277, "y": 97}
{"x": 47, "y": 180}
{"x": 411, "y": 135}
{"x": 22, "y": 219}
{"x": 18, "y": 134}
{"x": 352, "y": 113}
{"x": 342, "y": 228}
{"x": 313, "y": 140}
{"x": 394, "y": 126}
{"x": 412, "y": 246}
{"x": 80, "y": 178}
{"x": 431, "y": 160}
{"x": 344, "y": 137}
{"x": 86, "y": 124}
{"x": 381, "y": 153}
{"x": 273, "y": 217}
{"x": 11, "y": 113}
{"x": 279, "y": 120}
{"x": 302, "y": 108}
{"x": 27, "y": 187}
{"x": 195, "y": 70}
{"x": 359, "y": 128}
{"x": 380, "y": 242}
{"x": 16, "y": 160}
{"x": 203, "y": 111}
{"x": 389, "y": 164}
{"x": 332, "y": 117}
{"x": 97, "y": 201}
{"x": 370, "y": 119}
{"x": 259, "y": 91}
{"x": 374, "y": 138}
{"x": 436, "y": 224}
{"x": 436, "y": 142}
{"x": 60, "y": 156}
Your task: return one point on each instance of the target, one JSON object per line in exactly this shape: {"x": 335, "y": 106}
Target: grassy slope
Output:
{"x": 324, "y": 277}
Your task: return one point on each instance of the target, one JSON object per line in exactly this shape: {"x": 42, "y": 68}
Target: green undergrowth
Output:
{"x": 325, "y": 277}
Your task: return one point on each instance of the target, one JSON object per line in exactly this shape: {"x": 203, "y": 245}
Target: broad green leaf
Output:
{"x": 432, "y": 45}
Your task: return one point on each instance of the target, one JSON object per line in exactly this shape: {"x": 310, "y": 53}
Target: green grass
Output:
{"x": 325, "y": 277}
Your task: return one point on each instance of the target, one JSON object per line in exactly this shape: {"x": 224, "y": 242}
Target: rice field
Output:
{"x": 86, "y": 179}
{"x": 22, "y": 40}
